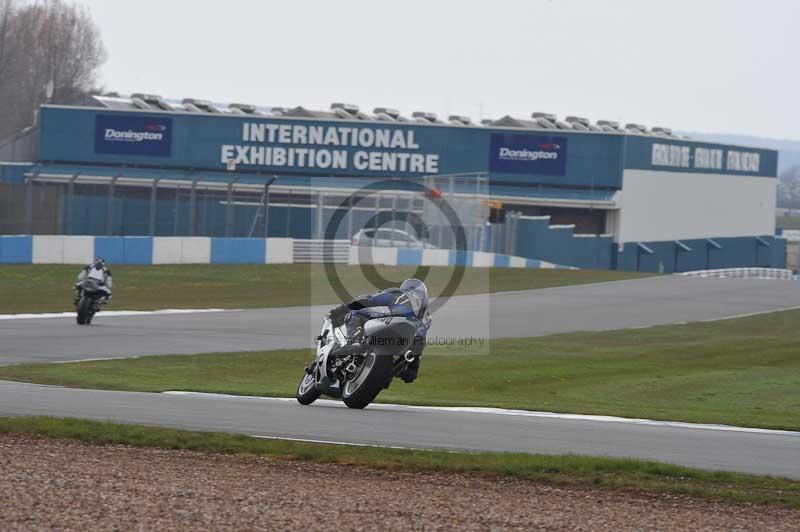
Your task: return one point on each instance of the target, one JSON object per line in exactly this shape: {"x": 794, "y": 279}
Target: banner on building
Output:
{"x": 133, "y": 135}
{"x": 528, "y": 154}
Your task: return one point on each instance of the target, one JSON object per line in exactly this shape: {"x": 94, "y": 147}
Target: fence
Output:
{"x": 124, "y": 205}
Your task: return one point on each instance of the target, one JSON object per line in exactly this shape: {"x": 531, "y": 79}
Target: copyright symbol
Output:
{"x": 366, "y": 266}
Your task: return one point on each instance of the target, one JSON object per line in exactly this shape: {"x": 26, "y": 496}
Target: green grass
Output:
{"x": 743, "y": 372}
{"x": 44, "y": 288}
{"x": 561, "y": 470}
{"x": 787, "y": 222}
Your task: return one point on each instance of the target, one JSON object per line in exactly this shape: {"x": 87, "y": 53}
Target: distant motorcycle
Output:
{"x": 92, "y": 291}
{"x": 358, "y": 359}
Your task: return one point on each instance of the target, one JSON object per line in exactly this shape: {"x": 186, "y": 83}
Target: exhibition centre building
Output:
{"x": 571, "y": 192}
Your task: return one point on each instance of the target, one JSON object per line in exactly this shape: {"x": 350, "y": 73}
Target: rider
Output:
{"x": 99, "y": 271}
{"x": 411, "y": 300}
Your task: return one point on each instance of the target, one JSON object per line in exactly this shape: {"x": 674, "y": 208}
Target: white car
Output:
{"x": 389, "y": 237}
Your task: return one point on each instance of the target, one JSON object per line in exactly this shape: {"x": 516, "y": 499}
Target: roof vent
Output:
{"x": 140, "y": 104}
{"x": 425, "y": 117}
{"x": 387, "y": 114}
{"x": 550, "y": 117}
{"x": 545, "y": 123}
{"x": 194, "y": 104}
{"x": 608, "y": 124}
{"x": 487, "y": 122}
{"x": 662, "y": 131}
{"x": 347, "y": 107}
{"x": 578, "y": 120}
{"x": 393, "y": 113}
{"x": 640, "y": 128}
{"x": 152, "y": 100}
{"x": 460, "y": 119}
{"x": 245, "y": 108}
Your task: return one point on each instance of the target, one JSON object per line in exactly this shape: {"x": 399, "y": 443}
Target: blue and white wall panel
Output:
{"x": 25, "y": 249}
{"x": 279, "y": 251}
{"x": 181, "y": 250}
{"x": 62, "y": 249}
{"x": 435, "y": 257}
{"x": 369, "y": 255}
{"x": 16, "y": 249}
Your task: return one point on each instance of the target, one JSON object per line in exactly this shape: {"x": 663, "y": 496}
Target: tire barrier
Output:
{"x": 749, "y": 273}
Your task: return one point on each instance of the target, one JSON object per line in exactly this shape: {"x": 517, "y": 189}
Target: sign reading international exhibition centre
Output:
{"x": 133, "y": 135}
{"x": 528, "y": 154}
{"x": 329, "y": 147}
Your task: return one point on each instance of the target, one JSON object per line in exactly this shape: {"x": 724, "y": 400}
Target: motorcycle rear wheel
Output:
{"x": 306, "y": 390}
{"x": 375, "y": 374}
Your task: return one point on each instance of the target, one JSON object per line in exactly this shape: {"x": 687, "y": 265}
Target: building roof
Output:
{"x": 345, "y": 111}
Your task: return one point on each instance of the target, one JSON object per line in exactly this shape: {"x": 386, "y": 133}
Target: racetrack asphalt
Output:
{"x": 614, "y": 305}
{"x": 602, "y": 306}
{"x": 758, "y": 452}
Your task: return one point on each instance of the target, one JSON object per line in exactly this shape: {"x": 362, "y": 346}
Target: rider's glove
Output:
{"x": 338, "y": 314}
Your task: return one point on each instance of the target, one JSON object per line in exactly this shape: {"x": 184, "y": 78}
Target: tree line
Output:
{"x": 50, "y": 52}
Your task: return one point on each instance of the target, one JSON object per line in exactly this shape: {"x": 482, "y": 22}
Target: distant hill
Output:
{"x": 788, "y": 160}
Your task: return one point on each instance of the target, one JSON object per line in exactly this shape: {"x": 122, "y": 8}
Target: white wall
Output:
{"x": 660, "y": 206}
{"x": 181, "y": 250}
{"x": 279, "y": 251}
{"x": 373, "y": 255}
{"x": 63, "y": 249}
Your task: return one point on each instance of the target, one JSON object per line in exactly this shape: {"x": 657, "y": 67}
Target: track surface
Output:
{"x": 390, "y": 425}
{"x": 614, "y": 305}
{"x": 636, "y": 303}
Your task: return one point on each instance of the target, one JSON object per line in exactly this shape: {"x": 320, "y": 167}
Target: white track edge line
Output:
{"x": 517, "y": 413}
{"x": 114, "y": 313}
{"x": 332, "y": 442}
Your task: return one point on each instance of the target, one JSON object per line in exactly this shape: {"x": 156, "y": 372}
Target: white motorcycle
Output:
{"x": 358, "y": 359}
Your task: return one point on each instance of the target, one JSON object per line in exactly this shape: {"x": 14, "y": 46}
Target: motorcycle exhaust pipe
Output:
{"x": 409, "y": 356}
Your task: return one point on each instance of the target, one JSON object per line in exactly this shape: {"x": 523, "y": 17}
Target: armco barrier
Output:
{"x": 751, "y": 273}
{"x": 25, "y": 249}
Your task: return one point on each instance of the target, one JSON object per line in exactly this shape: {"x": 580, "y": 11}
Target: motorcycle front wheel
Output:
{"x": 307, "y": 391}
{"x": 84, "y": 310}
{"x": 372, "y": 376}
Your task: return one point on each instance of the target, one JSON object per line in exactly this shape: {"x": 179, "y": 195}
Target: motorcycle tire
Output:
{"x": 365, "y": 387}
{"x": 307, "y": 391}
{"x": 84, "y": 310}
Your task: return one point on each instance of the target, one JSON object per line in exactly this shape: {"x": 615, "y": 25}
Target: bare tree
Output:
{"x": 50, "y": 51}
{"x": 7, "y": 14}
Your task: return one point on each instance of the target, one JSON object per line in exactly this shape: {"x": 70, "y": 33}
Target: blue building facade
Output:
{"x": 594, "y": 198}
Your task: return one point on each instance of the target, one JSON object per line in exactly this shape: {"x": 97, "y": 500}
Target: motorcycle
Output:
{"x": 354, "y": 362}
{"x": 91, "y": 295}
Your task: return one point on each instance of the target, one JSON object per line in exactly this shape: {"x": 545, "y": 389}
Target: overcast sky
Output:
{"x": 703, "y": 65}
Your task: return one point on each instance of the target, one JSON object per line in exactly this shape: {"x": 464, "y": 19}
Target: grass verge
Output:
{"x": 787, "y": 222}
{"x": 561, "y": 470}
{"x": 48, "y": 288}
{"x": 743, "y": 371}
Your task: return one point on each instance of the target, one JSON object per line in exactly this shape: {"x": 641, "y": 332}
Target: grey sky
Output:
{"x": 702, "y": 65}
